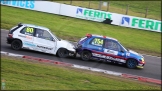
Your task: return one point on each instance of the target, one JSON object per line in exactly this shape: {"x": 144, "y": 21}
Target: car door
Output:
{"x": 114, "y": 51}
{"x": 27, "y": 37}
{"x": 44, "y": 41}
{"x": 96, "y": 46}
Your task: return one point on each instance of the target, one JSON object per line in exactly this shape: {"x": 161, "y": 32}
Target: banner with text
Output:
{"x": 87, "y": 14}
{"x": 141, "y": 23}
{"x": 43, "y": 6}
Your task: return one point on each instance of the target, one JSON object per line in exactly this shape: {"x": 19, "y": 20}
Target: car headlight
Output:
{"x": 142, "y": 61}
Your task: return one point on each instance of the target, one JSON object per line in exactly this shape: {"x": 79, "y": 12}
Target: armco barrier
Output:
{"x": 139, "y": 78}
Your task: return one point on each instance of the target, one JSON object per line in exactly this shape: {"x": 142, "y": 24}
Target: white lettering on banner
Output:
{"x": 108, "y": 57}
{"x": 29, "y": 4}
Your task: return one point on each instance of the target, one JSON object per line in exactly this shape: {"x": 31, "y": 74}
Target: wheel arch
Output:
{"x": 20, "y": 44}
{"x": 17, "y": 39}
{"x": 132, "y": 58}
{"x": 60, "y": 48}
{"x": 87, "y": 50}
{"x": 130, "y": 65}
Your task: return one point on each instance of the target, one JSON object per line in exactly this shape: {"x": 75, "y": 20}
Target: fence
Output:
{"x": 117, "y": 7}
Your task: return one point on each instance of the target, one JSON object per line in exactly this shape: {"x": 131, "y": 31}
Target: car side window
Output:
{"x": 112, "y": 45}
{"x": 28, "y": 31}
{"x": 43, "y": 34}
{"x": 97, "y": 42}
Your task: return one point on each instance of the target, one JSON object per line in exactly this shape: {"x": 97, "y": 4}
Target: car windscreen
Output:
{"x": 57, "y": 37}
{"x": 125, "y": 49}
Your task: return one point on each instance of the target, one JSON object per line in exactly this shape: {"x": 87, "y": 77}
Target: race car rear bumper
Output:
{"x": 9, "y": 40}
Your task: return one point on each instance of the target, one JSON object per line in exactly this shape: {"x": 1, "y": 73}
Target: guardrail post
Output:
{"x": 70, "y": 2}
{"x": 146, "y": 12}
{"x": 100, "y": 5}
{"x": 127, "y": 9}
{"x": 108, "y": 5}
{"x": 89, "y": 4}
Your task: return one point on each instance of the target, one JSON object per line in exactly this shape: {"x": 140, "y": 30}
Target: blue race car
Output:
{"x": 108, "y": 49}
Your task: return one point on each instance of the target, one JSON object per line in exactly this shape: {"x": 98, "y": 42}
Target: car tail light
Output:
{"x": 88, "y": 35}
{"x": 10, "y": 35}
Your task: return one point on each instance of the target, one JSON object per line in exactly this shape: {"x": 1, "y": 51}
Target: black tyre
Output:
{"x": 73, "y": 56}
{"x": 63, "y": 53}
{"x": 16, "y": 45}
{"x": 131, "y": 63}
{"x": 86, "y": 55}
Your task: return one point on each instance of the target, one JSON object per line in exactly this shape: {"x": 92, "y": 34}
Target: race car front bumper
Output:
{"x": 140, "y": 66}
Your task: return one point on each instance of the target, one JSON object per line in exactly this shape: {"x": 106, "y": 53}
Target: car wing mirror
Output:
{"x": 53, "y": 40}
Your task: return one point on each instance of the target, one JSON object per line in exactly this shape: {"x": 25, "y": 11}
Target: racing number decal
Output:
{"x": 29, "y": 30}
{"x": 98, "y": 41}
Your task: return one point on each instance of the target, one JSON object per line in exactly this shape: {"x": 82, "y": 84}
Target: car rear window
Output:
{"x": 14, "y": 28}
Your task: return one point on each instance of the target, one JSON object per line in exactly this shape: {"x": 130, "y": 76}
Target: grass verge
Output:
{"x": 73, "y": 29}
{"x": 22, "y": 74}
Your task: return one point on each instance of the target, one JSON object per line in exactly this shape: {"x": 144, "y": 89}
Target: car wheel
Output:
{"x": 16, "y": 44}
{"x": 62, "y": 53}
{"x": 131, "y": 63}
{"x": 74, "y": 55}
{"x": 86, "y": 55}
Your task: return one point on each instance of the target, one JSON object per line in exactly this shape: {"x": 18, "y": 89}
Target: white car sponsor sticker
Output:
{"x": 108, "y": 57}
{"x": 110, "y": 52}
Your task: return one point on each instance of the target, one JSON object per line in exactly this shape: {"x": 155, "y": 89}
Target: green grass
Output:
{"x": 136, "y": 8}
{"x": 21, "y": 74}
{"x": 72, "y": 29}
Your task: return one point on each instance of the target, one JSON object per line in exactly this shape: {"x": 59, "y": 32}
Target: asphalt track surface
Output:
{"x": 152, "y": 69}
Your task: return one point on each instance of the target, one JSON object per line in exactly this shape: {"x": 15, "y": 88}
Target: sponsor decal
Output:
{"x": 44, "y": 47}
{"x": 90, "y": 14}
{"x": 141, "y": 23}
{"x": 127, "y": 54}
{"x": 110, "y": 52}
{"x": 108, "y": 58}
{"x": 125, "y": 20}
{"x": 22, "y": 36}
{"x": 29, "y": 44}
{"x": 28, "y": 4}
{"x": 27, "y": 37}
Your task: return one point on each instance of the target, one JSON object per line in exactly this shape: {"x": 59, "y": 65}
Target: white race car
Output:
{"x": 39, "y": 38}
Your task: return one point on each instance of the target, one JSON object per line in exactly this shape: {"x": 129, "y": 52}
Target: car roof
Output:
{"x": 35, "y": 26}
{"x": 95, "y": 35}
